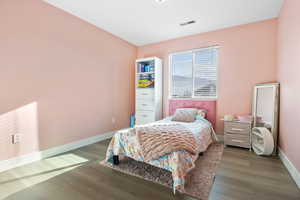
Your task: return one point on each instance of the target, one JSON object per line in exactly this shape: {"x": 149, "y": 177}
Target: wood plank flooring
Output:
{"x": 76, "y": 175}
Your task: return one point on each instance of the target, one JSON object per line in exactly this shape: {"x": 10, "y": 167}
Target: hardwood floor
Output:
{"x": 77, "y": 175}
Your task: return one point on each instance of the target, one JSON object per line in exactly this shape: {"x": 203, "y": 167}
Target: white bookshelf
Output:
{"x": 148, "y": 84}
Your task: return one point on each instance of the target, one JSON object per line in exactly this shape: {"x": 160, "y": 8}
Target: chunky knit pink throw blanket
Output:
{"x": 161, "y": 139}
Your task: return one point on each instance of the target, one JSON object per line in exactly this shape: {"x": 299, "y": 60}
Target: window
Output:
{"x": 194, "y": 73}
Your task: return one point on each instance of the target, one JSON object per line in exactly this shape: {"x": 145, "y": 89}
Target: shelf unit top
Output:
{"x": 147, "y": 59}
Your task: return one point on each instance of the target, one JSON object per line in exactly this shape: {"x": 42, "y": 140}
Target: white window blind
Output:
{"x": 194, "y": 74}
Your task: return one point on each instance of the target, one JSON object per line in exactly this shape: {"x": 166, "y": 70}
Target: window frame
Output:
{"x": 193, "y": 97}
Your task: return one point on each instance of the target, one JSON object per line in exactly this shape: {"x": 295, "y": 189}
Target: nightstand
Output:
{"x": 237, "y": 133}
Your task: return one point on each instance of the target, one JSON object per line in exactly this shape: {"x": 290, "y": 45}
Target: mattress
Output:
{"x": 179, "y": 163}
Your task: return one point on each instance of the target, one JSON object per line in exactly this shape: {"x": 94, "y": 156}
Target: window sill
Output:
{"x": 195, "y": 99}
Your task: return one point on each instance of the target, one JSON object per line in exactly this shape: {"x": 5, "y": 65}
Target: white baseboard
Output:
{"x": 75, "y": 145}
{"x": 290, "y": 167}
{"x": 35, "y": 156}
{"x": 19, "y": 161}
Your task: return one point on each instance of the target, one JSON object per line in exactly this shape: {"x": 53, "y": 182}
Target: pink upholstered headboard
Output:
{"x": 210, "y": 106}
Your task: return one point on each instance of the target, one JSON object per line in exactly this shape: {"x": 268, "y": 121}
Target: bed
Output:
{"x": 179, "y": 163}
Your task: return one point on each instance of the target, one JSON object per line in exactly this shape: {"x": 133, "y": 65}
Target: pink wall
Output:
{"x": 79, "y": 76}
{"x": 247, "y": 56}
{"x": 288, "y": 75}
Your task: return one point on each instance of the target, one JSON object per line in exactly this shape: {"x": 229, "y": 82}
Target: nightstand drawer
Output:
{"x": 240, "y": 128}
{"x": 237, "y": 140}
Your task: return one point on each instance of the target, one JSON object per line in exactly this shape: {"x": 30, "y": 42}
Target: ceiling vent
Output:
{"x": 160, "y": 1}
{"x": 188, "y": 23}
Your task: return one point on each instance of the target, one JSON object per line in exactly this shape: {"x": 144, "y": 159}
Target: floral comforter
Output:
{"x": 179, "y": 163}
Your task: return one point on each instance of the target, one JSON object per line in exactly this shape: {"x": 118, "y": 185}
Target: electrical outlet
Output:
{"x": 16, "y": 138}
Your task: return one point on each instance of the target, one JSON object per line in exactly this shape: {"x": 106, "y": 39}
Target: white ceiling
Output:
{"x": 143, "y": 22}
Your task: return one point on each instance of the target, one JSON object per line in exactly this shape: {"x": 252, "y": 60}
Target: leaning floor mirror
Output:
{"x": 265, "y": 111}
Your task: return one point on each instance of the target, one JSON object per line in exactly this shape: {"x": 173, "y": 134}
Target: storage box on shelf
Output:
{"x": 148, "y": 90}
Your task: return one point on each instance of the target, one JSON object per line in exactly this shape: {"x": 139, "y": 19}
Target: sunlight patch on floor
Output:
{"x": 18, "y": 179}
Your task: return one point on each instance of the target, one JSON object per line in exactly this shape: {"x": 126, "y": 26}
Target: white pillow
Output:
{"x": 185, "y": 114}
